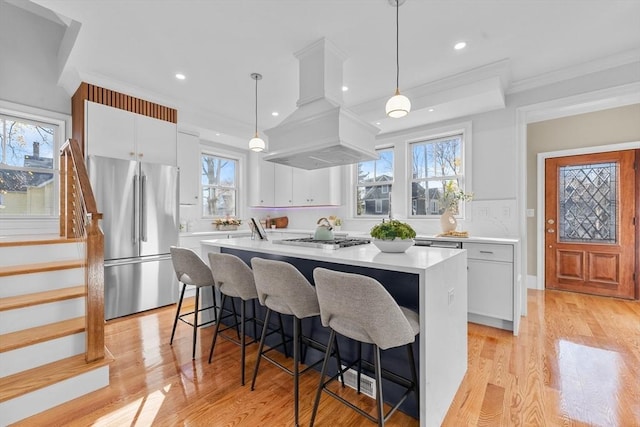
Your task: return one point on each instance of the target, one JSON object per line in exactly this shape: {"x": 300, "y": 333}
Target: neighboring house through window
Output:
{"x": 374, "y": 181}
{"x": 437, "y": 169}
{"x": 28, "y": 167}
{"x": 219, "y": 182}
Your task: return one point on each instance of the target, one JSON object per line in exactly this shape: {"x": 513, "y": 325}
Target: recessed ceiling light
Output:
{"x": 460, "y": 45}
{"x": 275, "y": 114}
{"x": 180, "y": 76}
{"x": 217, "y": 133}
{"x": 378, "y": 123}
{"x": 431, "y": 110}
{"x": 345, "y": 88}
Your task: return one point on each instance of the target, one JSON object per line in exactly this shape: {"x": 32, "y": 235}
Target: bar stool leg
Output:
{"x": 297, "y": 323}
{"x": 215, "y": 332}
{"x": 260, "y": 348}
{"x": 379, "y": 398}
{"x": 325, "y": 363}
{"x": 414, "y": 373}
{"x": 195, "y": 323}
{"x": 175, "y": 321}
{"x": 242, "y": 339}
{"x": 359, "y": 365}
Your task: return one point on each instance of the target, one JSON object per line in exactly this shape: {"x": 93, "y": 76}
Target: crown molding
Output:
{"x": 613, "y": 61}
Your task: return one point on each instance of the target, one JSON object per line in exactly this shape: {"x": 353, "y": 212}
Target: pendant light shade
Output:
{"x": 256, "y": 143}
{"x": 398, "y": 105}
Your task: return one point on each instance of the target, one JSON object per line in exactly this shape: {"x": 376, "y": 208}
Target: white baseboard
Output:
{"x": 532, "y": 281}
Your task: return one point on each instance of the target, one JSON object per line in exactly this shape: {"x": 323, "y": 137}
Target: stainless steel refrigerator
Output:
{"x": 139, "y": 202}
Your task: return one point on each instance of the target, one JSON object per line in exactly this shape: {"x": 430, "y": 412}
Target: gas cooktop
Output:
{"x": 310, "y": 242}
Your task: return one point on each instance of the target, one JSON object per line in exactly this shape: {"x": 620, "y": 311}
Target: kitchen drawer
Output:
{"x": 489, "y": 251}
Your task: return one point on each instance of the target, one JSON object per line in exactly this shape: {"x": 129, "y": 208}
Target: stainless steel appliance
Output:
{"x": 419, "y": 241}
{"x": 310, "y": 242}
{"x": 140, "y": 205}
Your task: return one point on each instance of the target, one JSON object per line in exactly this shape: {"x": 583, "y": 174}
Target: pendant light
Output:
{"x": 398, "y": 105}
{"x": 256, "y": 143}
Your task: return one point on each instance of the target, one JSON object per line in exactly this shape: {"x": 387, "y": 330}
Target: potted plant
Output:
{"x": 227, "y": 224}
{"x": 450, "y": 202}
{"x": 336, "y": 222}
{"x": 393, "y": 236}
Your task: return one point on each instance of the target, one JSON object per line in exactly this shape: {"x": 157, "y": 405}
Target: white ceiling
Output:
{"x": 139, "y": 45}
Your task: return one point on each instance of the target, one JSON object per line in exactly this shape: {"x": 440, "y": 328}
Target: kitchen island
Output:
{"x": 432, "y": 281}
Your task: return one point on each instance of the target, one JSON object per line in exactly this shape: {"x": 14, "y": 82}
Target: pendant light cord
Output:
{"x": 256, "y": 79}
{"x": 397, "y": 46}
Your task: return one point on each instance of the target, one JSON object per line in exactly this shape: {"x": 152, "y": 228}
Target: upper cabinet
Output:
{"x": 189, "y": 164}
{"x": 112, "y": 132}
{"x": 261, "y": 179}
{"x": 276, "y": 185}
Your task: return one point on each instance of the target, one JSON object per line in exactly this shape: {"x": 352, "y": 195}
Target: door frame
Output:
{"x": 616, "y": 96}
{"x": 540, "y": 190}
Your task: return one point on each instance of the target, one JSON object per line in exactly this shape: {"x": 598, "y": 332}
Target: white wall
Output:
{"x": 29, "y": 48}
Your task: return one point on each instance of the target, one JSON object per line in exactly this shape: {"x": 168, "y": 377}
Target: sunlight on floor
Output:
{"x": 142, "y": 412}
{"x": 589, "y": 379}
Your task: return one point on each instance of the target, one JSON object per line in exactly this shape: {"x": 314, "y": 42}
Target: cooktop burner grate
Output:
{"x": 324, "y": 244}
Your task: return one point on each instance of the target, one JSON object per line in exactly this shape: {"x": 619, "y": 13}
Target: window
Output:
{"x": 437, "y": 170}
{"x": 373, "y": 185}
{"x": 218, "y": 180}
{"x": 28, "y": 167}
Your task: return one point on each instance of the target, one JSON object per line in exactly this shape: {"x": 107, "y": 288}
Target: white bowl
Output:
{"x": 395, "y": 245}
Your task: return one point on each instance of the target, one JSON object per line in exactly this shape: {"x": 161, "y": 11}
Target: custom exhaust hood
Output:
{"x": 321, "y": 132}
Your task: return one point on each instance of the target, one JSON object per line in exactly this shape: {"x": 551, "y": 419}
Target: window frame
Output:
{"x": 222, "y": 154}
{"x": 60, "y": 123}
{"x": 385, "y": 184}
{"x": 465, "y": 130}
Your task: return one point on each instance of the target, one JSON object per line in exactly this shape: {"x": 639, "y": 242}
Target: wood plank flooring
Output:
{"x": 575, "y": 363}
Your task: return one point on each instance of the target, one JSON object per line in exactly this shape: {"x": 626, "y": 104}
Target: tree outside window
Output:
{"x": 219, "y": 186}
{"x": 27, "y": 167}
{"x": 437, "y": 173}
{"x": 373, "y": 185}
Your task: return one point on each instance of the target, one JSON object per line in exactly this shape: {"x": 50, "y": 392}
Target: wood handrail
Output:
{"x": 79, "y": 218}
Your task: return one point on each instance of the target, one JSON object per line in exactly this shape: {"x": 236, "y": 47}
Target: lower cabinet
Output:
{"x": 491, "y": 285}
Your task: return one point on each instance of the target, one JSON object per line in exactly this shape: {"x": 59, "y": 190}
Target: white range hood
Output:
{"x": 321, "y": 132}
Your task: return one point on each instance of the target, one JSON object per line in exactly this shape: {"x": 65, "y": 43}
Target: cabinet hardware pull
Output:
{"x": 486, "y": 252}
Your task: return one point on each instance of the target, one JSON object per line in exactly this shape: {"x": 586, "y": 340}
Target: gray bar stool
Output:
{"x": 191, "y": 271}
{"x": 234, "y": 279}
{"x": 360, "y": 308}
{"x": 284, "y": 290}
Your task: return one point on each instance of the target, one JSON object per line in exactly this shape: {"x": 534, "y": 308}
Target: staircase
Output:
{"x": 43, "y": 327}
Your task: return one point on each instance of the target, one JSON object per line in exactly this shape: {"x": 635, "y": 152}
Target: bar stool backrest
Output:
{"x": 283, "y": 289}
{"x": 359, "y": 307}
{"x": 190, "y": 268}
{"x": 233, "y": 277}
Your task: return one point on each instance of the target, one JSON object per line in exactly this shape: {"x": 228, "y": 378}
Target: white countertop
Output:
{"x": 414, "y": 260}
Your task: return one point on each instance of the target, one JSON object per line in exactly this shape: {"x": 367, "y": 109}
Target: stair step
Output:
{"x": 55, "y": 295}
{"x": 38, "y": 334}
{"x": 34, "y": 379}
{"x": 47, "y": 239}
{"x": 14, "y": 270}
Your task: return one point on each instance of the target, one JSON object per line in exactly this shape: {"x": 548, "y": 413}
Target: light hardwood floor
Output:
{"x": 576, "y": 362}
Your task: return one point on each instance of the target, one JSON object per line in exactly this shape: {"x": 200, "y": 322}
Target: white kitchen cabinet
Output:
{"x": 112, "y": 132}
{"x": 261, "y": 190}
{"x": 283, "y": 185}
{"x": 299, "y": 187}
{"x": 188, "y": 158}
{"x": 491, "y": 284}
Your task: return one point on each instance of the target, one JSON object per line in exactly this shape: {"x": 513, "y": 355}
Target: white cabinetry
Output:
{"x": 188, "y": 162}
{"x": 112, "y": 132}
{"x": 492, "y": 285}
{"x": 299, "y": 187}
{"x": 283, "y": 185}
{"x": 261, "y": 191}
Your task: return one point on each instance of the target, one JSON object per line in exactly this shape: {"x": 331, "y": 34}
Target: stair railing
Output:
{"x": 79, "y": 218}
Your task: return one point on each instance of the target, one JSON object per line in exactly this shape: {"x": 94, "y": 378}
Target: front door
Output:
{"x": 590, "y": 210}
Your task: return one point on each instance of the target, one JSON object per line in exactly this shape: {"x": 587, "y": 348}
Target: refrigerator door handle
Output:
{"x": 135, "y": 209}
{"x": 143, "y": 209}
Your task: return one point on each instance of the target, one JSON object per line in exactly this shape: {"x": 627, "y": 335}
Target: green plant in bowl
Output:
{"x": 392, "y": 229}
{"x": 393, "y": 236}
